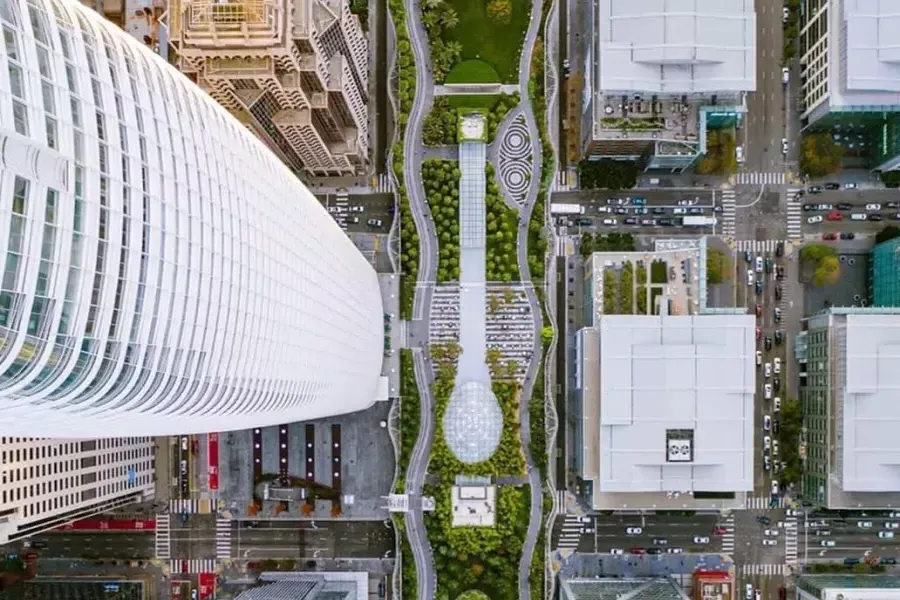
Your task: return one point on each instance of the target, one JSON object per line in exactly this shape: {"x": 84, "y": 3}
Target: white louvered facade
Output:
{"x": 163, "y": 271}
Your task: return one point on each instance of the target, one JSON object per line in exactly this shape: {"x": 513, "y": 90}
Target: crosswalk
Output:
{"x": 163, "y": 541}
{"x": 728, "y": 537}
{"x": 563, "y": 182}
{"x": 193, "y": 565}
{"x": 571, "y": 532}
{"x": 383, "y": 184}
{"x": 189, "y": 505}
{"x": 223, "y": 537}
{"x": 728, "y": 212}
{"x": 758, "y": 246}
{"x": 763, "y": 502}
{"x": 794, "y": 214}
{"x": 782, "y": 570}
{"x": 790, "y": 540}
{"x": 755, "y": 178}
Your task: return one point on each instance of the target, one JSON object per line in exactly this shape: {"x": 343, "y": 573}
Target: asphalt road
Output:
{"x": 308, "y": 540}
{"x": 605, "y": 533}
{"x": 129, "y": 545}
{"x": 196, "y": 539}
{"x": 849, "y": 539}
{"x": 858, "y": 200}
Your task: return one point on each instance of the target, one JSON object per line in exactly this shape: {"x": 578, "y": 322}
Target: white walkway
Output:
{"x": 776, "y": 178}
{"x": 794, "y": 214}
{"x": 163, "y": 540}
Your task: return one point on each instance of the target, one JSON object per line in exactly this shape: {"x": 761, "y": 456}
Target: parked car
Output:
{"x": 768, "y": 343}
{"x": 771, "y": 532}
{"x": 784, "y": 142}
{"x": 850, "y": 186}
{"x": 848, "y": 235}
{"x": 864, "y": 524}
{"x": 844, "y": 206}
{"x": 785, "y": 78}
{"x": 858, "y": 217}
{"x": 835, "y": 216}
{"x": 770, "y": 542}
{"x": 758, "y": 358}
{"x": 776, "y": 365}
{"x": 886, "y": 535}
{"x": 776, "y": 405}
{"x": 832, "y": 186}
{"x": 829, "y": 237}
{"x": 377, "y": 222}
{"x": 767, "y": 421}
{"x": 748, "y": 594}
{"x": 767, "y": 370}
{"x": 617, "y": 551}
{"x": 891, "y": 525}
{"x": 630, "y": 221}
{"x": 815, "y": 219}
{"x": 814, "y": 189}
{"x": 759, "y": 287}
{"x": 767, "y": 391}
{"x": 875, "y": 217}
{"x": 759, "y": 310}
{"x": 778, "y": 336}
{"x": 785, "y": 14}
{"x": 873, "y": 207}
{"x": 610, "y": 221}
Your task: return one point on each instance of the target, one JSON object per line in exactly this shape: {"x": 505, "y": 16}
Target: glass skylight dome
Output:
{"x": 473, "y": 422}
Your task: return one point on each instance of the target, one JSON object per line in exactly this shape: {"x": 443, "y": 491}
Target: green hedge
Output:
{"x": 502, "y": 228}
{"x": 410, "y": 414}
{"x": 440, "y": 179}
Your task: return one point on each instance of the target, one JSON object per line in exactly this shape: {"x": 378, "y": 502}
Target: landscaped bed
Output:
{"x": 482, "y": 37}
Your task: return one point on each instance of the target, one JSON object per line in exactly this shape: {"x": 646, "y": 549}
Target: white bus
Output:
{"x": 566, "y": 209}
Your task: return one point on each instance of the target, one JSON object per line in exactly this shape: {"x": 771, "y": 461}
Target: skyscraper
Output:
{"x": 164, "y": 272}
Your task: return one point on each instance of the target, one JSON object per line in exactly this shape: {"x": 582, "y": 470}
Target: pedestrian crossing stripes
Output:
{"x": 765, "y": 570}
{"x": 571, "y": 532}
{"x": 190, "y": 506}
{"x": 193, "y": 565}
{"x": 563, "y": 182}
{"x": 163, "y": 542}
{"x": 754, "y": 178}
{"x": 223, "y": 537}
{"x": 763, "y": 502}
{"x": 728, "y": 537}
{"x": 728, "y": 213}
{"x": 758, "y": 246}
{"x": 790, "y": 540}
{"x": 794, "y": 214}
{"x": 383, "y": 184}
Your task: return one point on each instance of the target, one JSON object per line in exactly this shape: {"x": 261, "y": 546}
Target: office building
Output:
{"x": 294, "y": 71}
{"x": 47, "y": 483}
{"x": 849, "y": 379}
{"x": 884, "y": 283}
{"x": 666, "y": 70}
{"x": 850, "y": 77}
{"x": 847, "y": 586}
{"x": 165, "y": 273}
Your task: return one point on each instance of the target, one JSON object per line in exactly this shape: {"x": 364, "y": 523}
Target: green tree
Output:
{"x": 886, "y": 234}
{"x": 719, "y": 266}
{"x": 499, "y": 11}
{"x": 546, "y": 334}
{"x": 827, "y": 272}
{"x": 816, "y": 252}
{"x": 720, "y": 157}
{"x": 820, "y": 155}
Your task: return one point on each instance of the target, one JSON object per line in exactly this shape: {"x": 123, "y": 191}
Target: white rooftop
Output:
{"x": 676, "y": 403}
{"x": 676, "y": 46}
{"x": 873, "y": 52}
{"x": 871, "y": 412}
{"x": 474, "y": 506}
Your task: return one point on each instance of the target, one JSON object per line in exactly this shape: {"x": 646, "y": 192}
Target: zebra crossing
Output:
{"x": 758, "y": 246}
{"x": 763, "y": 502}
{"x": 223, "y": 537}
{"x": 570, "y": 533}
{"x": 790, "y": 540}
{"x": 728, "y": 537}
{"x": 383, "y": 184}
{"x": 163, "y": 543}
{"x": 193, "y": 565}
{"x": 782, "y": 570}
{"x": 794, "y": 214}
{"x": 728, "y": 212}
{"x": 563, "y": 182}
{"x": 189, "y": 505}
{"x": 755, "y": 178}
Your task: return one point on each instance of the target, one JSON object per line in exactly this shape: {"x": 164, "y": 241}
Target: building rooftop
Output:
{"x": 873, "y": 56}
{"x": 851, "y": 586}
{"x": 676, "y": 46}
{"x": 572, "y": 588}
{"x": 675, "y": 403}
{"x": 871, "y": 415}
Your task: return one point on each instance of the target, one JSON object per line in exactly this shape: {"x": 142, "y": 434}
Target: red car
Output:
{"x": 758, "y": 334}
{"x": 718, "y": 530}
{"x": 829, "y": 236}
{"x": 835, "y": 215}
{"x": 638, "y": 551}
{"x": 758, "y": 311}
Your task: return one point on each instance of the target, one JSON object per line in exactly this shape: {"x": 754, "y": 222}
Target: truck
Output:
{"x": 691, "y": 221}
{"x": 566, "y": 209}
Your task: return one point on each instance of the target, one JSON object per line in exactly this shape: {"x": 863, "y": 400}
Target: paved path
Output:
{"x": 472, "y": 90}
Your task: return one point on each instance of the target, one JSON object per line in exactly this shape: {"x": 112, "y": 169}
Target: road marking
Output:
{"x": 758, "y": 246}
{"x": 163, "y": 541}
{"x": 790, "y": 540}
{"x": 223, "y": 537}
{"x": 194, "y": 565}
{"x": 794, "y": 215}
{"x": 762, "y": 502}
{"x": 728, "y": 213}
{"x": 728, "y": 537}
{"x": 782, "y": 570}
{"x": 766, "y": 178}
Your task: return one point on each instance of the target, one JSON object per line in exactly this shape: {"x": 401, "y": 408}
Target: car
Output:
{"x": 739, "y": 153}
{"x": 768, "y": 343}
{"x": 759, "y": 310}
{"x": 758, "y": 358}
{"x": 357, "y": 209}
{"x": 654, "y": 550}
{"x": 630, "y": 221}
{"x": 829, "y": 237}
{"x": 621, "y": 211}
{"x": 764, "y": 520}
{"x": 638, "y": 550}
{"x": 719, "y": 530}
{"x": 639, "y": 201}
{"x": 858, "y": 217}
{"x": 659, "y": 210}
{"x": 660, "y": 542}
{"x": 850, "y": 185}
{"x": 633, "y": 531}
{"x": 648, "y": 222}
{"x": 770, "y": 542}
{"x": 767, "y": 462}
{"x": 844, "y": 206}
{"x": 864, "y": 524}
{"x": 767, "y": 391}
{"x": 848, "y": 235}
{"x": 604, "y": 209}
{"x": 776, "y": 365}
{"x": 774, "y": 487}
{"x": 777, "y": 314}
{"x": 895, "y": 216}
{"x": 771, "y": 532}
{"x": 759, "y": 287}
{"x": 776, "y": 383}
{"x": 778, "y": 292}
{"x": 887, "y": 560}
{"x": 767, "y": 370}
{"x": 184, "y": 443}
{"x": 778, "y": 336}
{"x": 748, "y": 594}
{"x": 779, "y": 272}
{"x": 675, "y": 551}
{"x": 891, "y": 525}
{"x": 610, "y": 221}
{"x": 679, "y": 211}
{"x": 768, "y": 265}
{"x": 873, "y": 207}
{"x": 353, "y": 220}
{"x": 749, "y": 276}
{"x": 792, "y": 512}
{"x": 774, "y": 447}
{"x": 622, "y": 201}
{"x": 835, "y": 216}
{"x": 581, "y": 222}
{"x": 767, "y": 422}
{"x": 779, "y": 249}
{"x": 875, "y": 217}
{"x": 822, "y": 532}
{"x": 685, "y": 203}
{"x": 333, "y": 210}
{"x": 748, "y": 256}
{"x": 700, "y": 539}
{"x": 810, "y": 207}
{"x": 815, "y": 219}
{"x": 827, "y": 543}
{"x": 695, "y": 210}
{"x": 617, "y": 551}
{"x": 377, "y": 222}
{"x": 667, "y": 222}
{"x": 759, "y": 264}
{"x": 826, "y": 207}
{"x": 785, "y": 14}
{"x": 758, "y": 595}
{"x": 831, "y": 185}
{"x": 784, "y": 142}
{"x": 776, "y": 406}
{"x": 785, "y": 78}
{"x": 758, "y": 333}
{"x": 814, "y": 189}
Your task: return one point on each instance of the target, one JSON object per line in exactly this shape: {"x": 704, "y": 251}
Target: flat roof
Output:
{"x": 873, "y": 55}
{"x": 676, "y": 46}
{"x": 871, "y": 413}
{"x": 676, "y": 403}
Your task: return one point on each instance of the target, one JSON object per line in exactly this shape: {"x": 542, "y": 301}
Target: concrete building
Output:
{"x": 165, "y": 272}
{"x": 848, "y": 587}
{"x": 884, "y": 282}
{"x": 850, "y": 77}
{"x": 637, "y": 588}
{"x": 140, "y": 18}
{"x": 663, "y": 70}
{"x": 45, "y": 484}
{"x": 713, "y": 585}
{"x": 849, "y": 378}
{"x": 294, "y": 71}
{"x": 319, "y": 585}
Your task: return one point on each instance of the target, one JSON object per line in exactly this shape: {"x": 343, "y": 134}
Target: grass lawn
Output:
{"x": 475, "y": 101}
{"x": 498, "y": 45}
{"x": 472, "y": 71}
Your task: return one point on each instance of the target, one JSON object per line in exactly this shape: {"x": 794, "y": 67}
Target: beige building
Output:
{"x": 294, "y": 71}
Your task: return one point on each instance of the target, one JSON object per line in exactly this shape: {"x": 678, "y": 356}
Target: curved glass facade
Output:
{"x": 163, "y": 272}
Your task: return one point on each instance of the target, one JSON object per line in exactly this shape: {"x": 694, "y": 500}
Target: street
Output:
{"x": 93, "y": 545}
{"x": 310, "y": 539}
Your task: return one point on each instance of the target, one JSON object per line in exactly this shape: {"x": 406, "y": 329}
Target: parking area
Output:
{"x": 370, "y": 213}
{"x": 78, "y": 589}
{"x": 850, "y": 290}
{"x": 845, "y": 214}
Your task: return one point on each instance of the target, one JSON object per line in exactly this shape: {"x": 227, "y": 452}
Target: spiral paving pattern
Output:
{"x": 516, "y": 159}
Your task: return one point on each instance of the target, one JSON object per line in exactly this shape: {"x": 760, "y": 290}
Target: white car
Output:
{"x": 767, "y": 370}
{"x": 767, "y": 391}
{"x": 886, "y": 535}
{"x": 785, "y": 14}
{"x": 758, "y": 357}
{"x": 785, "y": 77}
{"x": 891, "y": 525}
{"x": 759, "y": 594}
{"x": 684, "y": 203}
{"x": 774, "y": 487}
{"x": 772, "y": 532}
{"x": 873, "y": 207}
{"x": 827, "y": 543}
{"x": 859, "y": 217}
{"x": 767, "y": 422}
{"x": 701, "y": 540}
{"x": 749, "y": 592}
{"x": 617, "y": 551}
{"x": 759, "y": 264}
{"x": 815, "y": 219}
{"x": 776, "y": 404}
{"x": 749, "y": 276}
{"x": 864, "y": 524}
{"x": 767, "y": 443}
{"x": 604, "y": 209}
{"x": 850, "y": 186}
{"x": 610, "y": 221}
{"x": 777, "y": 365}
{"x": 739, "y": 153}
{"x": 674, "y": 550}
{"x": 784, "y": 146}
{"x": 679, "y": 211}
{"x": 774, "y": 447}
{"x": 792, "y": 512}
{"x": 634, "y": 531}
{"x": 770, "y": 542}
{"x": 357, "y": 209}
{"x": 767, "y": 462}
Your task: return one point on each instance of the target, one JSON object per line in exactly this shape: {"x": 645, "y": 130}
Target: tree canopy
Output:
{"x": 820, "y": 155}
{"x": 719, "y": 266}
{"x": 720, "y": 157}
{"x": 608, "y": 174}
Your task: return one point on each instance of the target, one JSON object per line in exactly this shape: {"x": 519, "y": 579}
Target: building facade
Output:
{"x": 885, "y": 277}
{"x": 848, "y": 586}
{"x": 47, "y": 483}
{"x": 165, "y": 273}
{"x": 294, "y": 71}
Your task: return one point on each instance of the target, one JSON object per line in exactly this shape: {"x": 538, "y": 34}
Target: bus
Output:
{"x": 566, "y": 209}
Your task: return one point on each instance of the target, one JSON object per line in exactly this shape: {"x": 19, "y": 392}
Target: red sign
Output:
{"x": 213, "y": 460}
{"x": 207, "y": 585}
{"x": 176, "y": 591}
{"x": 111, "y": 525}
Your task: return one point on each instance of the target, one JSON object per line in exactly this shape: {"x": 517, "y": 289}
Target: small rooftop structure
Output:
{"x": 472, "y": 127}
{"x": 591, "y": 588}
{"x": 474, "y": 505}
{"x": 676, "y": 46}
